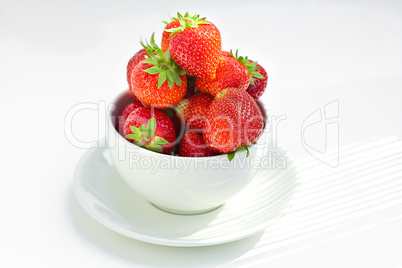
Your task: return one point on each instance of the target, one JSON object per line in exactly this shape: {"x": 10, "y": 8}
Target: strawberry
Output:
{"x": 193, "y": 145}
{"x": 158, "y": 81}
{"x": 166, "y": 35}
{"x": 131, "y": 93}
{"x": 171, "y": 113}
{"x": 137, "y": 58}
{"x": 195, "y": 46}
{"x": 174, "y": 23}
{"x": 226, "y": 54}
{"x": 234, "y": 121}
{"x": 126, "y": 112}
{"x": 232, "y": 71}
{"x": 192, "y": 112}
{"x": 178, "y": 128}
{"x": 260, "y": 84}
{"x": 151, "y": 129}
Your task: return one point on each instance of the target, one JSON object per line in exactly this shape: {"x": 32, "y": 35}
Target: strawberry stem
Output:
{"x": 251, "y": 66}
{"x": 144, "y": 136}
{"x": 186, "y": 21}
{"x": 242, "y": 148}
{"x": 163, "y": 65}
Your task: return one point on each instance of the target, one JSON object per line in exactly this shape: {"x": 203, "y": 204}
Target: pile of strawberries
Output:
{"x": 190, "y": 98}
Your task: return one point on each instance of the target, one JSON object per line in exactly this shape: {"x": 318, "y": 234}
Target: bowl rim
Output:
{"x": 146, "y": 151}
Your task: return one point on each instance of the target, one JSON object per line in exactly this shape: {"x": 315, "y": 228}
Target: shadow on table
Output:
{"x": 148, "y": 254}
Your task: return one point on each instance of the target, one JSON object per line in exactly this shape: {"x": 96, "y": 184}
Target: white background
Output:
{"x": 57, "y": 54}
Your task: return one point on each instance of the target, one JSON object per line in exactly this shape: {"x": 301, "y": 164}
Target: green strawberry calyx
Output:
{"x": 186, "y": 21}
{"x": 251, "y": 67}
{"x": 163, "y": 65}
{"x": 144, "y": 136}
{"x": 233, "y": 154}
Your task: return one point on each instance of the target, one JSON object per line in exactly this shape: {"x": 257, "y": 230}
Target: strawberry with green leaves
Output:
{"x": 234, "y": 121}
{"x": 192, "y": 111}
{"x": 194, "y": 44}
{"x": 158, "y": 81}
{"x": 232, "y": 71}
{"x": 151, "y": 129}
{"x": 260, "y": 84}
{"x": 193, "y": 145}
{"x": 174, "y": 23}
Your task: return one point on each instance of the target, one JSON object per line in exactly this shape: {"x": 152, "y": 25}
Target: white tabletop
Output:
{"x": 338, "y": 60}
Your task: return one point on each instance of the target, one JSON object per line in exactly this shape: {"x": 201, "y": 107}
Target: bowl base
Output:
{"x": 180, "y": 212}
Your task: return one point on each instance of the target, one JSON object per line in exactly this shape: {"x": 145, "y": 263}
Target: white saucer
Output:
{"x": 107, "y": 198}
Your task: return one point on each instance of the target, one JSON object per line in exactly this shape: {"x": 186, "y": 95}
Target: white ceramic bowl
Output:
{"x": 181, "y": 185}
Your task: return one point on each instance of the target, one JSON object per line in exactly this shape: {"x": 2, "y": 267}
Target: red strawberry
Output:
{"x": 178, "y": 128}
{"x": 174, "y": 23}
{"x": 166, "y": 35}
{"x": 260, "y": 84}
{"x": 171, "y": 113}
{"x": 158, "y": 81}
{"x": 195, "y": 46}
{"x": 151, "y": 129}
{"x": 126, "y": 112}
{"x": 131, "y": 93}
{"x": 232, "y": 71}
{"x": 193, "y": 145}
{"x": 234, "y": 120}
{"x": 192, "y": 112}
{"x": 137, "y": 58}
{"x": 226, "y": 54}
